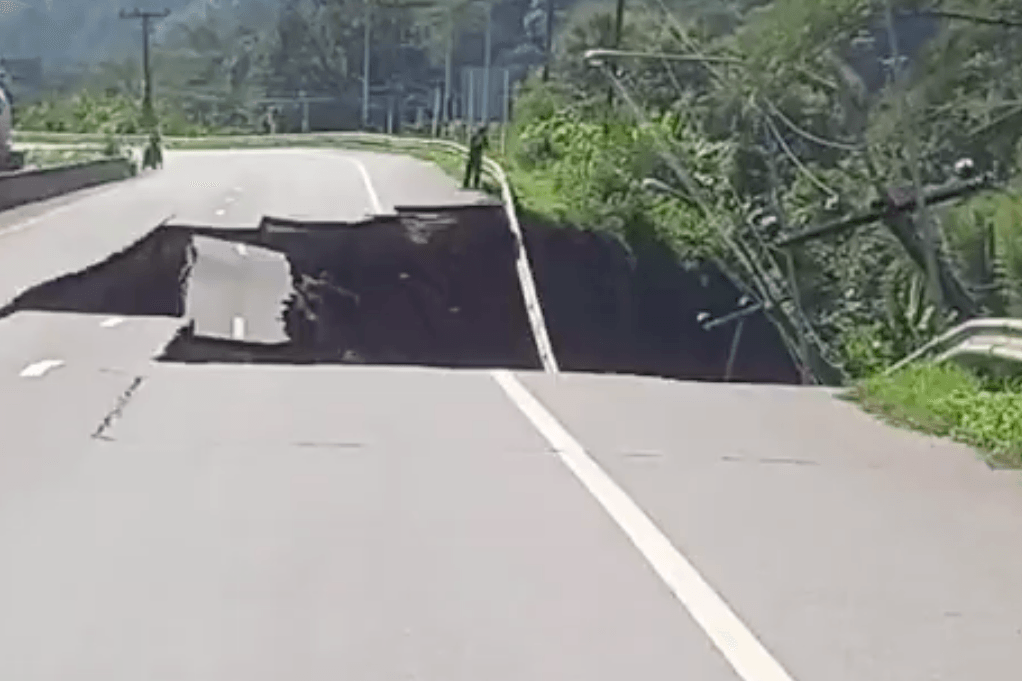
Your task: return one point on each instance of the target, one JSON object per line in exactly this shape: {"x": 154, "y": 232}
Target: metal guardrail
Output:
{"x": 530, "y": 295}
{"x": 996, "y": 338}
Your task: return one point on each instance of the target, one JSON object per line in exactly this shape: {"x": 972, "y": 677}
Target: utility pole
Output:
{"x": 619, "y": 22}
{"x": 305, "y": 110}
{"x": 507, "y": 110}
{"x": 488, "y": 48}
{"x": 548, "y": 39}
{"x": 366, "y": 50}
{"x": 148, "y": 114}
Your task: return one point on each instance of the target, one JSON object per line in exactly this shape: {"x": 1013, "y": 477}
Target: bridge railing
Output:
{"x": 375, "y": 141}
{"x": 996, "y": 339}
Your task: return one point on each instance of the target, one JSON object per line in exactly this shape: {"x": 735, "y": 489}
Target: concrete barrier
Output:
{"x": 27, "y": 185}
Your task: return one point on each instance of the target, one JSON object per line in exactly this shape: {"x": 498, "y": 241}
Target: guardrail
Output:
{"x": 526, "y": 281}
{"x": 997, "y": 338}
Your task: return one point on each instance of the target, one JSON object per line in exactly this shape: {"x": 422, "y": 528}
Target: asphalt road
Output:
{"x": 161, "y": 521}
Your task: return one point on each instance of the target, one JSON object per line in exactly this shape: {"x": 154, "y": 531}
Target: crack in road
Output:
{"x": 118, "y": 410}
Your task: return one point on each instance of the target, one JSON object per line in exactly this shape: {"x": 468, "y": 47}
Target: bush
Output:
{"x": 572, "y": 169}
{"x": 947, "y": 400}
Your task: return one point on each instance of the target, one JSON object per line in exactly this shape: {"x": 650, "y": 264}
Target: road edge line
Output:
{"x": 736, "y": 642}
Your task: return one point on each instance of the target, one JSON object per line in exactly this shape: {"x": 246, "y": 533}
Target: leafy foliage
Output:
{"x": 949, "y": 401}
{"x": 804, "y": 125}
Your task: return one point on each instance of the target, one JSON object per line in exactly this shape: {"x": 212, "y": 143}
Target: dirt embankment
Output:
{"x": 440, "y": 288}
{"x": 608, "y": 310}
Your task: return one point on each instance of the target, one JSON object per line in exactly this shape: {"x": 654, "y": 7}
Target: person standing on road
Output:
{"x": 474, "y": 168}
{"x": 152, "y": 157}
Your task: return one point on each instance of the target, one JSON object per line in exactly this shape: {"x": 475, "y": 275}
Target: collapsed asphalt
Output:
{"x": 427, "y": 287}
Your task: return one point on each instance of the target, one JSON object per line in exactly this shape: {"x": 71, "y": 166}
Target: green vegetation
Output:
{"x": 949, "y": 401}
{"x": 114, "y": 114}
{"x": 802, "y": 125}
{"x": 58, "y": 156}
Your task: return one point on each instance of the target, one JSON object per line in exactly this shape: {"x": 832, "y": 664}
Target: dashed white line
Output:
{"x": 38, "y": 369}
{"x": 112, "y": 322}
{"x": 220, "y": 211}
{"x": 242, "y": 249}
{"x": 729, "y": 634}
{"x": 238, "y": 328}
{"x": 374, "y": 199}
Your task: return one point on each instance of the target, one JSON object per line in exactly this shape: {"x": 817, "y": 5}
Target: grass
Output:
{"x": 47, "y": 158}
{"x": 949, "y": 401}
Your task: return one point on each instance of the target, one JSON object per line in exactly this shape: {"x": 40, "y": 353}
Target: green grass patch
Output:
{"x": 48, "y": 158}
{"x": 949, "y": 401}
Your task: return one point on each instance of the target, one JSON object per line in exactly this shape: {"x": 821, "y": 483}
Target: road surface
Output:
{"x": 203, "y": 522}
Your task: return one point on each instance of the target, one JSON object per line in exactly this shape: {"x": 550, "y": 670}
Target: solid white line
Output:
{"x": 374, "y": 199}
{"x": 40, "y": 368}
{"x": 735, "y": 641}
{"x": 238, "y": 328}
{"x": 112, "y": 322}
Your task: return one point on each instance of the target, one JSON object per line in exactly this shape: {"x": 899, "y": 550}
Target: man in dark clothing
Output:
{"x": 152, "y": 157}
{"x": 474, "y": 168}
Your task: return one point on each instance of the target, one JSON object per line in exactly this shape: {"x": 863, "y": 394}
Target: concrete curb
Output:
{"x": 26, "y": 186}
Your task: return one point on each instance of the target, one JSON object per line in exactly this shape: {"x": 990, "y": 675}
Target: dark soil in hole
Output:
{"x": 608, "y": 310}
{"x": 144, "y": 279}
{"x": 440, "y": 288}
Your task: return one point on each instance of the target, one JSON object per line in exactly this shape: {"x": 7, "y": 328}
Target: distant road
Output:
{"x": 205, "y": 523}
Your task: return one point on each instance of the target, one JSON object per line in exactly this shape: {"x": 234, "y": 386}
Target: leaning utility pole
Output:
{"x": 923, "y": 217}
{"x": 619, "y": 22}
{"x": 148, "y": 114}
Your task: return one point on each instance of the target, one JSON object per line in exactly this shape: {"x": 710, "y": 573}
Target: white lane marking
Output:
{"x": 230, "y": 199}
{"x": 238, "y": 328}
{"x": 220, "y": 211}
{"x": 241, "y": 249}
{"x": 374, "y": 199}
{"x": 40, "y": 368}
{"x": 17, "y": 227}
{"x": 112, "y": 322}
{"x": 729, "y": 634}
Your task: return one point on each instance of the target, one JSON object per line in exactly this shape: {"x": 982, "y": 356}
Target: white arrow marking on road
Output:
{"x": 112, "y": 322}
{"x": 39, "y": 369}
{"x": 238, "y": 328}
{"x": 735, "y": 641}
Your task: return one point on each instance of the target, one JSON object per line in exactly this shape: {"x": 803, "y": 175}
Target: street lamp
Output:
{"x": 655, "y": 186}
{"x": 596, "y": 56}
